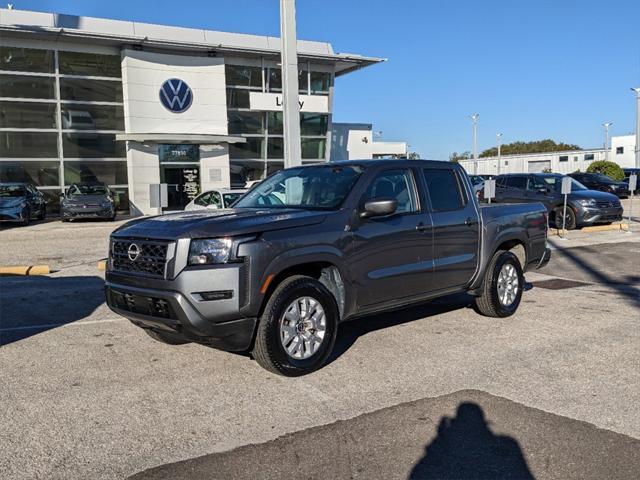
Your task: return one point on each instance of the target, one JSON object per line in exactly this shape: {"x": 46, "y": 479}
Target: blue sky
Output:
{"x": 533, "y": 69}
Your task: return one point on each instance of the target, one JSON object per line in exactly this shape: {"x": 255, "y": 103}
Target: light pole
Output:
{"x": 474, "y": 118}
{"x": 290, "y": 99}
{"x": 637, "y": 90}
{"x": 606, "y": 139}
{"x": 499, "y": 140}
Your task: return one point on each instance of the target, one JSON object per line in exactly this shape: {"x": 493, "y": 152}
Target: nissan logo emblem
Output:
{"x": 133, "y": 252}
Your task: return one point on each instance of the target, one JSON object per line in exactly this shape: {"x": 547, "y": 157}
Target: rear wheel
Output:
{"x": 569, "y": 218}
{"x": 298, "y": 328}
{"x": 167, "y": 337}
{"x": 502, "y": 286}
{"x": 26, "y": 217}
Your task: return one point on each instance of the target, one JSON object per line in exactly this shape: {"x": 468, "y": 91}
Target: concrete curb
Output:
{"x": 595, "y": 228}
{"x": 26, "y": 270}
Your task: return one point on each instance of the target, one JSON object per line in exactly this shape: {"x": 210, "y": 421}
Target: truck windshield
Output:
{"x": 322, "y": 187}
{"x": 84, "y": 189}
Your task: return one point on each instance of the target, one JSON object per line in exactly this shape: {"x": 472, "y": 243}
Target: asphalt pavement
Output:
{"x": 85, "y": 394}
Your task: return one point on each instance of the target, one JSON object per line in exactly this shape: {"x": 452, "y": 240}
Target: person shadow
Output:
{"x": 466, "y": 448}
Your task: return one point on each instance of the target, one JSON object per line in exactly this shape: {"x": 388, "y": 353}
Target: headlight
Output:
{"x": 210, "y": 251}
{"x": 587, "y": 202}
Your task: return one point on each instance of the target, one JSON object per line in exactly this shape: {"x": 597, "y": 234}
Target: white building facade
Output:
{"x": 355, "y": 141}
{"x": 130, "y": 105}
{"x": 622, "y": 152}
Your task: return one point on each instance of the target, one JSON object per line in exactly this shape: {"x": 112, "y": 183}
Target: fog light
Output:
{"x": 216, "y": 295}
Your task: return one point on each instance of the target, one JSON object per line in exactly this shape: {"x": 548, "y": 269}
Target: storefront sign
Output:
{"x": 175, "y": 95}
{"x": 273, "y": 102}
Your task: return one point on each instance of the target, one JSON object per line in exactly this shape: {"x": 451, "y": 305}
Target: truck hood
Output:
{"x": 218, "y": 223}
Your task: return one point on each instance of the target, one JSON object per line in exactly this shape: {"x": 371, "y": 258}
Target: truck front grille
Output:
{"x": 139, "y": 256}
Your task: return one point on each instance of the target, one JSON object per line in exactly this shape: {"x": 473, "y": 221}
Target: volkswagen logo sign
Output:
{"x": 133, "y": 252}
{"x": 175, "y": 95}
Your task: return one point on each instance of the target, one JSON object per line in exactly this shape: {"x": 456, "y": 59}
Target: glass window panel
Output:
{"x": 23, "y": 86}
{"x": 26, "y": 60}
{"x": 445, "y": 191}
{"x": 45, "y": 174}
{"x": 27, "y": 115}
{"x": 396, "y": 184}
{"x": 320, "y": 82}
{"x": 237, "y": 98}
{"x": 28, "y": 144}
{"x": 92, "y": 64}
{"x": 275, "y": 147}
{"x": 313, "y": 124}
{"x": 92, "y": 145}
{"x": 80, "y": 89}
{"x": 303, "y": 81}
{"x": 273, "y": 167}
{"x": 246, "y": 122}
{"x": 109, "y": 173}
{"x": 251, "y": 149}
{"x": 243, "y": 76}
{"x": 274, "y": 125}
{"x": 52, "y": 197}
{"x": 275, "y": 80}
{"x": 121, "y": 199}
{"x": 92, "y": 117}
{"x": 313, "y": 148}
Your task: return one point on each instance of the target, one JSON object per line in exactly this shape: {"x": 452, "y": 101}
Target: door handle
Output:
{"x": 421, "y": 227}
{"x": 470, "y": 222}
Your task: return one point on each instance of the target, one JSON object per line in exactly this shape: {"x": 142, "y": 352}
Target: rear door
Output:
{"x": 392, "y": 256}
{"x": 456, "y": 227}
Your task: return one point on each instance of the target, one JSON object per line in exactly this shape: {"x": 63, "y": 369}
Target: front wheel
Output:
{"x": 26, "y": 217}
{"x": 569, "y": 218}
{"x": 502, "y": 286}
{"x": 298, "y": 328}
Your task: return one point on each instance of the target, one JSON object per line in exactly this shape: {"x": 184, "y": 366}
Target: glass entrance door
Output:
{"x": 180, "y": 170}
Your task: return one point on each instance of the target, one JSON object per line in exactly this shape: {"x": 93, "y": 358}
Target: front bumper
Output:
{"x": 88, "y": 212}
{"x": 12, "y": 214}
{"x": 178, "y": 306}
{"x": 590, "y": 216}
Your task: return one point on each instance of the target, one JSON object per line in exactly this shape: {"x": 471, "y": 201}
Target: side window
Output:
{"x": 536, "y": 185}
{"x": 445, "y": 190}
{"x": 517, "y": 182}
{"x": 203, "y": 199}
{"x": 215, "y": 199}
{"x": 396, "y": 184}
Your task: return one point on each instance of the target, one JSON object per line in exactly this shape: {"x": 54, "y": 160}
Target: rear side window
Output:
{"x": 517, "y": 182}
{"x": 445, "y": 190}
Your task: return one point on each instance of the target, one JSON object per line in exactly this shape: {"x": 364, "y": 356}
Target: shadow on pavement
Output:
{"x": 466, "y": 448}
{"x": 32, "y": 305}
{"x": 349, "y": 332}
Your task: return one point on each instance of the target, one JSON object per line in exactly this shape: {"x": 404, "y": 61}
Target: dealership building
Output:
{"x": 131, "y": 105}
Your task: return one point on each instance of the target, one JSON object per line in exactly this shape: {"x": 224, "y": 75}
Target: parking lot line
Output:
{"x": 57, "y": 325}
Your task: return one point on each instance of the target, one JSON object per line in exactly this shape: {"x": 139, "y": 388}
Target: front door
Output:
{"x": 183, "y": 185}
{"x": 393, "y": 255}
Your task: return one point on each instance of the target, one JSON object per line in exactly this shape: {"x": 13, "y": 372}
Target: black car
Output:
{"x": 584, "y": 207}
{"x": 87, "y": 200}
{"x": 21, "y": 202}
{"x": 627, "y": 173}
{"x": 599, "y": 181}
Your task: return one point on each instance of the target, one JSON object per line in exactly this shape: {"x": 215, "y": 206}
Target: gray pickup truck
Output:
{"x": 317, "y": 245}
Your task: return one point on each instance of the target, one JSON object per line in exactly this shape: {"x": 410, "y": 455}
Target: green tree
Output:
{"x": 610, "y": 169}
{"x": 539, "y": 146}
{"x": 456, "y": 157}
{"x": 413, "y": 156}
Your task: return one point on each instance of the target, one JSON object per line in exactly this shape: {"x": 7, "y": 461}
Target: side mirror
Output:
{"x": 379, "y": 207}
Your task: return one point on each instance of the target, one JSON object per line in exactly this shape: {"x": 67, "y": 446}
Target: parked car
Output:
{"x": 352, "y": 238}
{"x": 220, "y": 198}
{"x": 584, "y": 206}
{"x": 21, "y": 202}
{"x": 87, "y": 200}
{"x": 599, "y": 181}
{"x": 478, "y": 183}
{"x": 627, "y": 174}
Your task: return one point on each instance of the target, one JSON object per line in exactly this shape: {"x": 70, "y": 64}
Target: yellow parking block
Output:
{"x": 102, "y": 265}
{"x": 606, "y": 228}
{"x": 25, "y": 270}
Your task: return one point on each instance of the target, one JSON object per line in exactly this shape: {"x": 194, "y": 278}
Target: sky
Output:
{"x": 532, "y": 69}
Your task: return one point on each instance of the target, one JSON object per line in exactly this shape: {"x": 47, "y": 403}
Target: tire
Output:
{"x": 26, "y": 217}
{"x": 167, "y": 337}
{"x": 570, "y": 223}
{"x": 270, "y": 351}
{"x": 43, "y": 214}
{"x": 489, "y": 302}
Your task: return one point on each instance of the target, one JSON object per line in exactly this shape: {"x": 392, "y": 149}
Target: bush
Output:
{"x": 610, "y": 169}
